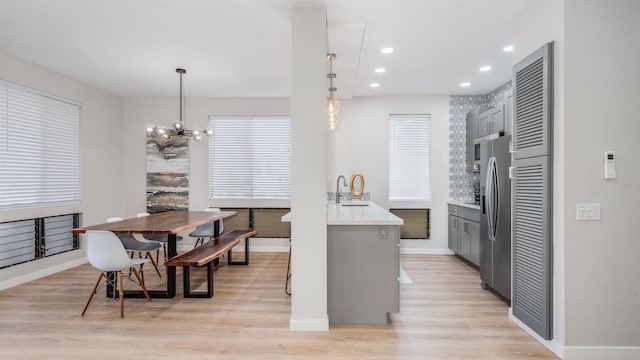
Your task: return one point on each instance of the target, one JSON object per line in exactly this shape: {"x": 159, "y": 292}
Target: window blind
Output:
{"x": 409, "y": 138}
{"x": 250, "y": 157}
{"x": 39, "y": 148}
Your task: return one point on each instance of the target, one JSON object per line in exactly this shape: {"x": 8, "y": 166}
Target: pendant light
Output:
{"x": 333, "y": 105}
{"x": 177, "y": 128}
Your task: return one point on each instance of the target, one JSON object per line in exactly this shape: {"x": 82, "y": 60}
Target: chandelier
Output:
{"x": 333, "y": 105}
{"x": 177, "y": 128}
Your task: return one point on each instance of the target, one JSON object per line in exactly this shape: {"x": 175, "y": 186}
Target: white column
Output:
{"x": 309, "y": 168}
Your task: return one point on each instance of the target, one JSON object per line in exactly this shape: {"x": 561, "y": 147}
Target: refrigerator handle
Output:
{"x": 496, "y": 198}
{"x": 489, "y": 198}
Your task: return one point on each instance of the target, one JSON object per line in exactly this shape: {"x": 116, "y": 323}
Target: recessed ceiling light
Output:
{"x": 374, "y": 85}
{"x": 465, "y": 84}
{"x": 485, "y": 68}
{"x": 508, "y": 48}
{"x": 386, "y": 50}
{"x": 380, "y": 70}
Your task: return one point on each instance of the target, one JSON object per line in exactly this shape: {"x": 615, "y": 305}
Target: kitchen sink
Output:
{"x": 355, "y": 204}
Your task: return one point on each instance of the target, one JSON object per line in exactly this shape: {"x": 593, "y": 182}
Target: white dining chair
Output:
{"x": 133, "y": 245}
{"x": 206, "y": 230}
{"x": 106, "y": 253}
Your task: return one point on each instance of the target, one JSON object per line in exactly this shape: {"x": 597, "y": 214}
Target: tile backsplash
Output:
{"x": 347, "y": 195}
{"x": 461, "y": 182}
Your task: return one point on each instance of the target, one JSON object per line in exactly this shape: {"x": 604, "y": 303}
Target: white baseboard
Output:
{"x": 552, "y": 345}
{"x": 601, "y": 352}
{"x": 309, "y": 324}
{"x": 50, "y": 270}
{"x": 425, "y": 251}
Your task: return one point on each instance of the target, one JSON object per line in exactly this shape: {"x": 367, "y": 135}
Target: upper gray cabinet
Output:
{"x": 491, "y": 121}
{"x": 508, "y": 113}
{"x": 472, "y": 134}
{"x": 533, "y": 104}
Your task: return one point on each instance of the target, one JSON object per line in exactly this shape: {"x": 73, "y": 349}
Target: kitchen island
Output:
{"x": 363, "y": 263}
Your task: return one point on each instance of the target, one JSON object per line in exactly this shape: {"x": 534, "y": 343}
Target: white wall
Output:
{"x": 138, "y": 112}
{"x": 355, "y": 146}
{"x": 360, "y": 143}
{"x": 163, "y": 111}
{"x": 101, "y": 161}
{"x": 602, "y": 55}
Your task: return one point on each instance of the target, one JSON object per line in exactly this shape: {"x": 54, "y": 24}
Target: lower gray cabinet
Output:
{"x": 469, "y": 240}
{"x": 464, "y": 232}
{"x": 453, "y": 233}
{"x": 363, "y": 270}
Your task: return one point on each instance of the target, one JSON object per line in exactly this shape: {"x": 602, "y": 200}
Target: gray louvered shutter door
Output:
{"x": 533, "y": 104}
{"x": 532, "y": 197}
{"x": 532, "y": 260}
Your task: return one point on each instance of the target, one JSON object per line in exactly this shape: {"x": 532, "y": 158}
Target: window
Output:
{"x": 32, "y": 239}
{"x": 39, "y": 148}
{"x": 409, "y": 138}
{"x": 250, "y": 157}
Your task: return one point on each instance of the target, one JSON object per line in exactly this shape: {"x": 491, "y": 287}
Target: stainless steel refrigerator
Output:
{"x": 495, "y": 216}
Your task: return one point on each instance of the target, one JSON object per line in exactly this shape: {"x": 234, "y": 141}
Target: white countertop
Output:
{"x": 344, "y": 214}
{"x": 464, "y": 204}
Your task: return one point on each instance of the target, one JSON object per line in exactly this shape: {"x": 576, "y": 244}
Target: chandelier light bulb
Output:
{"x": 208, "y": 132}
{"x": 177, "y": 126}
{"x": 151, "y": 129}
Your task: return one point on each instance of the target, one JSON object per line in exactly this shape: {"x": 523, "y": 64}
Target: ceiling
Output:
{"x": 241, "y": 48}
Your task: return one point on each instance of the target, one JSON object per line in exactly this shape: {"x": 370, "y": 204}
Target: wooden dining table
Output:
{"x": 169, "y": 223}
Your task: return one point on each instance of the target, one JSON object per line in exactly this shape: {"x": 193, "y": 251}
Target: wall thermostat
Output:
{"x": 609, "y": 165}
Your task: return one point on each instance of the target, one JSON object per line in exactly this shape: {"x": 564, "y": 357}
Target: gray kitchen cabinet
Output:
{"x": 491, "y": 121}
{"x": 464, "y": 232}
{"x": 508, "y": 113}
{"x": 472, "y": 134}
{"x": 363, "y": 270}
{"x": 453, "y": 233}
{"x": 469, "y": 240}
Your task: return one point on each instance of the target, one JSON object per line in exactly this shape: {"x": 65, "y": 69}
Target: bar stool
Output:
{"x": 286, "y": 283}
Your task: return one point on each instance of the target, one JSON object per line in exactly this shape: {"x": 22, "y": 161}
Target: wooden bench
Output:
{"x": 207, "y": 254}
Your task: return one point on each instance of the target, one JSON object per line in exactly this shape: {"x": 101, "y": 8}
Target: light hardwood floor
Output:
{"x": 444, "y": 315}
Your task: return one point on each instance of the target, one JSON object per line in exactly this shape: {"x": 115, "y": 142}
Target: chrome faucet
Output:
{"x": 338, "y": 191}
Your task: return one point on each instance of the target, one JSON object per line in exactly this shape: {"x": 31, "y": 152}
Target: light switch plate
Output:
{"x": 588, "y": 212}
